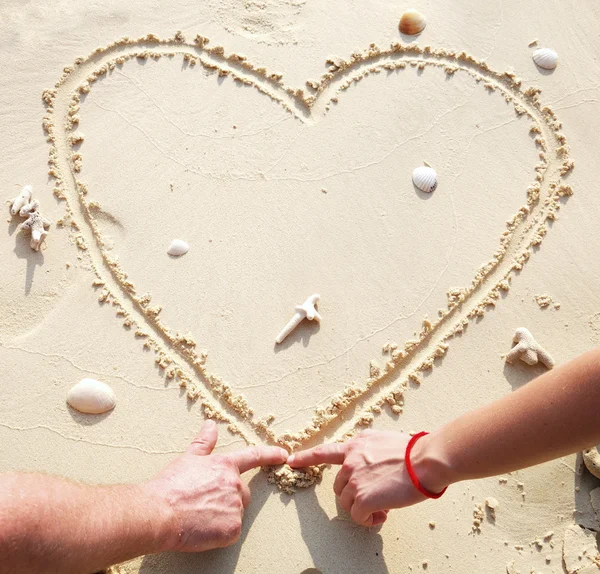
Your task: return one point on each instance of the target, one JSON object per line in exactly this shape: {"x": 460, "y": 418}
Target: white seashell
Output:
{"x": 178, "y": 248}
{"x": 91, "y": 397}
{"x": 425, "y": 178}
{"x": 412, "y": 22}
{"x": 545, "y": 58}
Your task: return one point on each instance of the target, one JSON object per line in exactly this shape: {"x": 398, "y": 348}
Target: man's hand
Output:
{"x": 373, "y": 477}
{"x": 203, "y": 493}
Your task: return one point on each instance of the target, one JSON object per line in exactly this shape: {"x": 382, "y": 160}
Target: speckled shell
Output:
{"x": 545, "y": 58}
{"x": 425, "y": 178}
{"x": 178, "y": 248}
{"x": 412, "y": 22}
{"x": 591, "y": 458}
{"x": 91, "y": 397}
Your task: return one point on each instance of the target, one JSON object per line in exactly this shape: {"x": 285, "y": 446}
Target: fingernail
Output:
{"x": 291, "y": 458}
{"x": 284, "y": 453}
{"x": 210, "y": 423}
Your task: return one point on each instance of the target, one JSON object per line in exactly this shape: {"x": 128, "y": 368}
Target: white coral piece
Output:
{"x": 37, "y": 225}
{"x": 528, "y": 350}
{"x": 33, "y": 205}
{"x": 305, "y": 311}
{"x": 21, "y": 200}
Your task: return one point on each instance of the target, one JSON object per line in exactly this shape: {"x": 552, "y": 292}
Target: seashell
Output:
{"x": 425, "y": 178}
{"x": 412, "y": 22}
{"x": 591, "y": 458}
{"x": 178, "y": 248}
{"x": 91, "y": 397}
{"x": 545, "y": 58}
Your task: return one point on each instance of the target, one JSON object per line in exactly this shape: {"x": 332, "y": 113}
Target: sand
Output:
{"x": 282, "y": 152}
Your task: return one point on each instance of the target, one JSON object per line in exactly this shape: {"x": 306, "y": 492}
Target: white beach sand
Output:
{"x": 277, "y": 204}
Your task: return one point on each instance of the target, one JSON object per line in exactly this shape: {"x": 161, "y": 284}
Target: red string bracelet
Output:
{"x": 411, "y": 471}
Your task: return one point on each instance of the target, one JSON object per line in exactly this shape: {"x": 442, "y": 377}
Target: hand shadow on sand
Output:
{"x": 336, "y": 546}
{"x": 339, "y": 545}
{"x": 23, "y": 250}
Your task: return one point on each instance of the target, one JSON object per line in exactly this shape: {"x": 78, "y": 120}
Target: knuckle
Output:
{"x": 254, "y": 454}
{"x": 234, "y": 530}
{"x": 230, "y": 480}
{"x": 199, "y": 442}
{"x": 360, "y": 498}
{"x": 319, "y": 451}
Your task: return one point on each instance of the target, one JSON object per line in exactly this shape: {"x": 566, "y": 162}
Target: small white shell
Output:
{"x": 178, "y": 248}
{"x": 91, "y": 397}
{"x": 412, "y": 22}
{"x": 425, "y": 178}
{"x": 545, "y": 58}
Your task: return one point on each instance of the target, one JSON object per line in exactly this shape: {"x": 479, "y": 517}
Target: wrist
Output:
{"x": 431, "y": 463}
{"x": 165, "y": 526}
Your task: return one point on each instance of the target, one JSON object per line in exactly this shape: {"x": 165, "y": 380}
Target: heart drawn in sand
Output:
{"x": 179, "y": 354}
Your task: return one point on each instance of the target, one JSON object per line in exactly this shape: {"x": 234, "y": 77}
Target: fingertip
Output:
{"x": 278, "y": 455}
{"x": 209, "y": 424}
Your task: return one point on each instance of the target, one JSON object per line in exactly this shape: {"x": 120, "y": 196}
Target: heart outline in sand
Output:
{"x": 525, "y": 230}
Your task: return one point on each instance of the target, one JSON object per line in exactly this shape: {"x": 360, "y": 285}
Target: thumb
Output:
{"x": 379, "y": 517}
{"x": 206, "y": 440}
{"x": 363, "y": 515}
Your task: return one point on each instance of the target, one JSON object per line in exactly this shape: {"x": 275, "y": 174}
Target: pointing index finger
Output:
{"x": 255, "y": 456}
{"x": 334, "y": 453}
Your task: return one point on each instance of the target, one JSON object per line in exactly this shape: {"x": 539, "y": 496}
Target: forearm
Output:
{"x": 49, "y": 524}
{"x": 554, "y": 415}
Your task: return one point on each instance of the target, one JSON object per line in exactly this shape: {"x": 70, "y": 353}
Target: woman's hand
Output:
{"x": 373, "y": 477}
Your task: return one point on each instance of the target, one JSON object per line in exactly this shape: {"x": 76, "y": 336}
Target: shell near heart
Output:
{"x": 545, "y": 58}
{"x": 91, "y": 397}
{"x": 178, "y": 248}
{"x": 412, "y": 22}
{"x": 425, "y": 178}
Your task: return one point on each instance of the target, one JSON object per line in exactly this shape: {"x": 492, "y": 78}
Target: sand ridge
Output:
{"x": 176, "y": 353}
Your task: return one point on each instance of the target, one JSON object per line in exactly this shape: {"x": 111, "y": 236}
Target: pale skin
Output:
{"x": 49, "y": 524}
{"x": 556, "y": 414}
